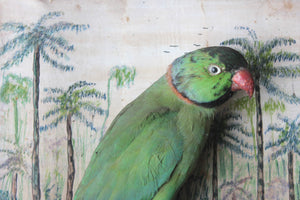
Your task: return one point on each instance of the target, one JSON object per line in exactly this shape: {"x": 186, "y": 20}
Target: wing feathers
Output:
{"x": 142, "y": 167}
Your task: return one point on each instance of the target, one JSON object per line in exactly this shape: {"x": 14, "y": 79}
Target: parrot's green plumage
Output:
{"x": 151, "y": 147}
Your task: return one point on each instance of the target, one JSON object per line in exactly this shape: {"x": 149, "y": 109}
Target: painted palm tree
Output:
{"x": 277, "y": 189}
{"x": 70, "y": 104}
{"x": 15, "y": 163}
{"x": 15, "y": 89}
{"x": 235, "y": 189}
{"x": 124, "y": 76}
{"x": 262, "y": 57}
{"x": 288, "y": 142}
{"x": 43, "y": 40}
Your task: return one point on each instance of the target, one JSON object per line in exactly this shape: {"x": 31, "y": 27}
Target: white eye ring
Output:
{"x": 214, "y": 69}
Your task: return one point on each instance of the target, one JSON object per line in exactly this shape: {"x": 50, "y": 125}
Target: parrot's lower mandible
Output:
{"x": 152, "y": 146}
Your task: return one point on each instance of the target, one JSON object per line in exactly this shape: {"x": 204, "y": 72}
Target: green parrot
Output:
{"x": 152, "y": 146}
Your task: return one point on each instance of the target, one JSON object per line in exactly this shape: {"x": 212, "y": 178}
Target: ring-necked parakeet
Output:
{"x": 151, "y": 147}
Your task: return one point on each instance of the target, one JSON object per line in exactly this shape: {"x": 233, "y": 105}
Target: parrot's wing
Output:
{"x": 146, "y": 161}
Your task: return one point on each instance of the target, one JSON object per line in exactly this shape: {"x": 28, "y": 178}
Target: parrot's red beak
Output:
{"x": 242, "y": 80}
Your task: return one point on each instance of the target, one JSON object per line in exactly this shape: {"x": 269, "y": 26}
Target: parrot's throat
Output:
{"x": 183, "y": 97}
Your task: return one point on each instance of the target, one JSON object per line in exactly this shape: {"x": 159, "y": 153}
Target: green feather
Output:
{"x": 151, "y": 147}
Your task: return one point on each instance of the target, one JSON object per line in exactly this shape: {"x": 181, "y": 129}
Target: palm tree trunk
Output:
{"x": 17, "y": 138}
{"x": 108, "y": 106}
{"x": 215, "y": 170}
{"x": 14, "y": 186}
{"x": 16, "y": 119}
{"x": 36, "y": 191}
{"x": 71, "y": 165}
{"x": 260, "y": 144}
{"x": 291, "y": 175}
{"x": 253, "y": 135}
{"x": 231, "y": 164}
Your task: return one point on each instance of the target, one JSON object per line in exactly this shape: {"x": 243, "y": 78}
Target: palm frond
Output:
{"x": 271, "y": 44}
{"x": 235, "y": 148}
{"x": 85, "y": 121}
{"x": 244, "y": 43}
{"x": 13, "y": 26}
{"x": 276, "y": 143}
{"x": 53, "y": 124}
{"x": 54, "y": 111}
{"x": 232, "y": 116}
{"x": 238, "y": 141}
{"x": 65, "y": 26}
{"x": 50, "y": 99}
{"x": 124, "y": 75}
{"x": 274, "y": 90}
{"x": 273, "y": 127}
{"x": 88, "y": 106}
{"x": 292, "y": 71}
{"x": 54, "y": 63}
{"x": 18, "y": 57}
{"x": 53, "y": 90}
{"x": 78, "y": 85}
{"x": 91, "y": 93}
{"x": 15, "y": 87}
{"x": 286, "y": 119}
{"x": 46, "y": 17}
{"x": 14, "y": 43}
{"x": 238, "y": 127}
{"x": 283, "y": 56}
{"x": 250, "y": 31}
{"x": 282, "y": 151}
{"x": 52, "y": 41}
{"x": 234, "y": 126}
{"x": 7, "y": 151}
{"x": 4, "y": 175}
{"x": 55, "y": 50}
{"x": 297, "y": 151}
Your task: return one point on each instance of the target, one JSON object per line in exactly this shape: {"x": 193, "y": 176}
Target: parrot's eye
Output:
{"x": 214, "y": 69}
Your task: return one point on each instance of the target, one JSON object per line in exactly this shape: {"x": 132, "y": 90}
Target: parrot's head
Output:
{"x": 209, "y": 76}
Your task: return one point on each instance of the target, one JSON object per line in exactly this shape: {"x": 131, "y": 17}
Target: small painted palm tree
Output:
{"x": 123, "y": 76}
{"x": 15, "y": 163}
{"x": 235, "y": 189}
{"x": 288, "y": 142}
{"x": 15, "y": 89}
{"x": 261, "y": 57}
{"x": 70, "y": 104}
{"x": 271, "y": 107}
{"x": 277, "y": 189}
{"x": 43, "y": 41}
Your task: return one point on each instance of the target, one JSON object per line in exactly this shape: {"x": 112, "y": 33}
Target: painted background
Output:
{"x": 147, "y": 35}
